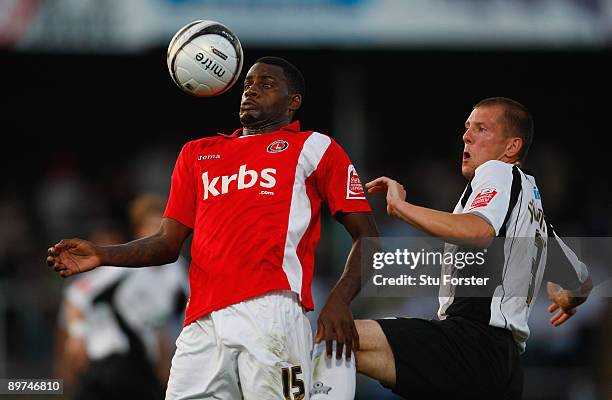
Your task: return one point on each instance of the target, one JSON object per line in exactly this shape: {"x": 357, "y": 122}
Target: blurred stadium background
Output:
{"x": 90, "y": 119}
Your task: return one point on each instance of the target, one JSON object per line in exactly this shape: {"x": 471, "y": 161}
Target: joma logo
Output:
{"x": 208, "y": 157}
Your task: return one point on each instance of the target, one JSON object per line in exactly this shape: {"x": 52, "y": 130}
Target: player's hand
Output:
{"x": 395, "y": 192}
{"x": 73, "y": 256}
{"x": 564, "y": 301}
{"x": 336, "y": 323}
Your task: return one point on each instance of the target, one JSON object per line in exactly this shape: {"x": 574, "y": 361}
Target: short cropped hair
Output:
{"x": 295, "y": 79}
{"x": 516, "y": 118}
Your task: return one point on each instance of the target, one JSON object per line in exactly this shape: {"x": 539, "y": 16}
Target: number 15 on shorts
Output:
{"x": 291, "y": 380}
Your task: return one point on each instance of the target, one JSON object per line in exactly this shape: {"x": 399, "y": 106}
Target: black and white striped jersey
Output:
{"x": 124, "y": 308}
{"x": 510, "y": 201}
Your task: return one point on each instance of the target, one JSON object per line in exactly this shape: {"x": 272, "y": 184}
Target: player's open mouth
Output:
{"x": 466, "y": 155}
{"x": 248, "y": 105}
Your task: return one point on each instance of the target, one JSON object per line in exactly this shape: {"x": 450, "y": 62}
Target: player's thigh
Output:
{"x": 375, "y": 357}
{"x": 275, "y": 362}
{"x": 202, "y": 366}
{"x": 289, "y": 380}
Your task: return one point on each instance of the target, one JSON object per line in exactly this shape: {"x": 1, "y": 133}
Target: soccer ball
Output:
{"x": 204, "y": 58}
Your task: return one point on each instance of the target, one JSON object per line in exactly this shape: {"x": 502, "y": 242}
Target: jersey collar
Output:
{"x": 292, "y": 127}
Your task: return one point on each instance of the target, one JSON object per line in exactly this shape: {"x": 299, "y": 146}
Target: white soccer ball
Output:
{"x": 204, "y": 58}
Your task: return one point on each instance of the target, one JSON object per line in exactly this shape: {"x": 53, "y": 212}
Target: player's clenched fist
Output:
{"x": 73, "y": 256}
{"x": 395, "y": 191}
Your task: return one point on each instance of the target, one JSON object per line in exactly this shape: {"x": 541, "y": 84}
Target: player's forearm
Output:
{"x": 579, "y": 295}
{"x": 349, "y": 284}
{"x": 364, "y": 233}
{"x": 148, "y": 251}
{"x": 463, "y": 229}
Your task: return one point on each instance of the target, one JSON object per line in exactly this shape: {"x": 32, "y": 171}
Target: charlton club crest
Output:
{"x": 277, "y": 146}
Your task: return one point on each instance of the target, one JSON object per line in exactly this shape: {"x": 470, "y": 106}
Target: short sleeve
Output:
{"x": 338, "y": 182}
{"x": 182, "y": 200}
{"x": 490, "y": 196}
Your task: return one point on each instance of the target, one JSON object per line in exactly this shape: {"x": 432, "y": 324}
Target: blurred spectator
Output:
{"x": 70, "y": 353}
{"x": 116, "y": 320}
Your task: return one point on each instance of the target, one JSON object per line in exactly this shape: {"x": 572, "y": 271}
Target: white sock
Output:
{"x": 332, "y": 378}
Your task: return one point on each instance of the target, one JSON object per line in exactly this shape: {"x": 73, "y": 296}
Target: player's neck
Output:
{"x": 264, "y": 128}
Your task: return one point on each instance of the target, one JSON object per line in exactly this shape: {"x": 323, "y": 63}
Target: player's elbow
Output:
{"x": 477, "y": 232}
{"x": 167, "y": 250}
{"x": 172, "y": 253}
{"x": 170, "y": 237}
{"x": 480, "y": 242}
{"x": 172, "y": 257}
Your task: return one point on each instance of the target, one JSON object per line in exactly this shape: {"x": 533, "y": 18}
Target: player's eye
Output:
{"x": 267, "y": 86}
{"x": 246, "y": 86}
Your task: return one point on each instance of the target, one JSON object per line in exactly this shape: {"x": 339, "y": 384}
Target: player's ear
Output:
{"x": 295, "y": 102}
{"x": 513, "y": 147}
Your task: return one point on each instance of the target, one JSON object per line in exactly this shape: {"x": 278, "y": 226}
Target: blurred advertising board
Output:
{"x": 118, "y": 26}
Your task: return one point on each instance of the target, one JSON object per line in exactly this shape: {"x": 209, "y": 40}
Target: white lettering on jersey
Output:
{"x": 242, "y": 173}
{"x": 268, "y": 175}
{"x": 209, "y": 187}
{"x": 245, "y": 178}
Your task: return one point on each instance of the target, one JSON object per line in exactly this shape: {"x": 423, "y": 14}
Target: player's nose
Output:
{"x": 251, "y": 92}
{"x": 467, "y": 136}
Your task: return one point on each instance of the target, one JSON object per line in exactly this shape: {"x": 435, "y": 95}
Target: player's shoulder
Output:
{"x": 322, "y": 137}
{"x": 197, "y": 145}
{"x": 312, "y": 139}
{"x": 304, "y": 135}
{"x": 206, "y": 141}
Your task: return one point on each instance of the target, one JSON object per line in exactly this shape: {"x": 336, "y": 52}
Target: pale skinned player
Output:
{"x": 473, "y": 351}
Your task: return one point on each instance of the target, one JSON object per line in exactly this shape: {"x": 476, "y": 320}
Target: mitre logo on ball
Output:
{"x": 204, "y": 58}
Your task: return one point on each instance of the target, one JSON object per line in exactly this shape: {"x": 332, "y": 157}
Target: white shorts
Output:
{"x": 254, "y": 350}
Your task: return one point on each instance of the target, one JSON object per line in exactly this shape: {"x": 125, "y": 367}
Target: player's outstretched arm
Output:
{"x": 462, "y": 229}
{"x": 73, "y": 256}
{"x": 336, "y": 320}
{"x": 566, "y": 301}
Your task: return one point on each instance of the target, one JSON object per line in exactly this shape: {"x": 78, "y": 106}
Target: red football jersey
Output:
{"x": 254, "y": 203}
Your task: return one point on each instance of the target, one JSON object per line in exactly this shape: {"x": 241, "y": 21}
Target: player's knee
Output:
{"x": 374, "y": 349}
{"x": 370, "y": 335}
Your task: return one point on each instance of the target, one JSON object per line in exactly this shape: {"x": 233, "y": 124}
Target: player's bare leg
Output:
{"x": 375, "y": 357}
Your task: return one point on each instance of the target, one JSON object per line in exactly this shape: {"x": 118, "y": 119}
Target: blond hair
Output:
{"x": 144, "y": 205}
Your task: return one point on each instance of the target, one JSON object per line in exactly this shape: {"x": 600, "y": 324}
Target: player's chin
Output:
{"x": 249, "y": 117}
{"x": 467, "y": 170}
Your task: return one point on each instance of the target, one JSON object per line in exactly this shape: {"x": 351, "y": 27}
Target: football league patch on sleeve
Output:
{"x": 354, "y": 190}
{"x": 483, "y": 198}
